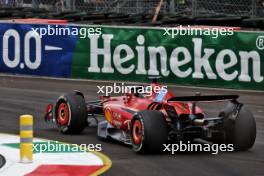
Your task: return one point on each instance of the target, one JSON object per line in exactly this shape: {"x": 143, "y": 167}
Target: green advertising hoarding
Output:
{"x": 233, "y": 59}
{"x": 130, "y": 54}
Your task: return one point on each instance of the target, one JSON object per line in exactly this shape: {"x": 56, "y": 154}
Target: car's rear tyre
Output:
{"x": 70, "y": 113}
{"x": 241, "y": 130}
{"x": 149, "y": 131}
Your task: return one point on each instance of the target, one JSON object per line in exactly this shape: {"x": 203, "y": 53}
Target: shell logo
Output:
{"x": 108, "y": 115}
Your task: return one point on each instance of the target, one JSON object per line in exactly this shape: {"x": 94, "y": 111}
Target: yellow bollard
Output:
{"x": 26, "y": 138}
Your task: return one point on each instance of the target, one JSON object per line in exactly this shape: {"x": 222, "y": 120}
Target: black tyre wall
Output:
{"x": 241, "y": 131}
{"x": 77, "y": 106}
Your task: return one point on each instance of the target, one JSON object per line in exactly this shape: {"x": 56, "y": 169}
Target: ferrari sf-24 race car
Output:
{"x": 148, "y": 121}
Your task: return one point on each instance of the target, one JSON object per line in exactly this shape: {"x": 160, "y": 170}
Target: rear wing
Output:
{"x": 204, "y": 98}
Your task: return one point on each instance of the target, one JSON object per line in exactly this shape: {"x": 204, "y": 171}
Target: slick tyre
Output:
{"x": 70, "y": 113}
{"x": 241, "y": 130}
{"x": 149, "y": 132}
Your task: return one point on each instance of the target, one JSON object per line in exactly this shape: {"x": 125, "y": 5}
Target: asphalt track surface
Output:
{"x": 30, "y": 95}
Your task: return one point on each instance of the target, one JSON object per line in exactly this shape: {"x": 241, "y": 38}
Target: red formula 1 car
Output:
{"x": 148, "y": 121}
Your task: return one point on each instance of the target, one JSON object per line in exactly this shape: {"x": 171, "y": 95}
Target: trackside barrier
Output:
{"x": 218, "y": 57}
{"x": 26, "y": 138}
